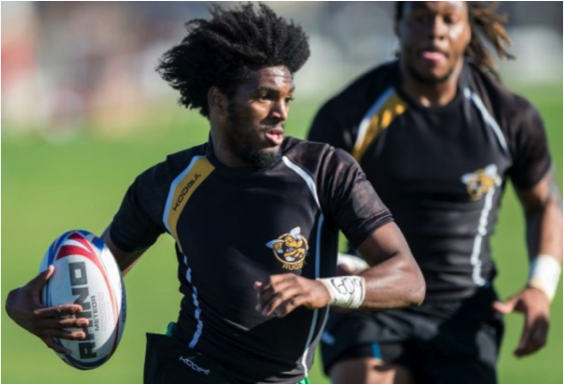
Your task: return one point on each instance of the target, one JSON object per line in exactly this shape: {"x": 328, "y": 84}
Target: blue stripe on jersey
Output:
{"x": 376, "y": 350}
{"x": 197, "y": 311}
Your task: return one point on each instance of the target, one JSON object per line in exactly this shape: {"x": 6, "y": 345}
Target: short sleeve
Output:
{"x": 349, "y": 198}
{"x": 531, "y": 157}
{"x": 137, "y": 224}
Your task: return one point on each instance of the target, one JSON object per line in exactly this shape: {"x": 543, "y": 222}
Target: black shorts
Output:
{"x": 442, "y": 341}
{"x": 168, "y": 361}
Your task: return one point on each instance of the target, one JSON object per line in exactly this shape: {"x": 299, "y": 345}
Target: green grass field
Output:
{"x": 48, "y": 189}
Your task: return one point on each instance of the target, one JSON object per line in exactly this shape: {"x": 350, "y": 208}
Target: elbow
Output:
{"x": 417, "y": 295}
{"x": 417, "y": 290}
{"x": 9, "y": 305}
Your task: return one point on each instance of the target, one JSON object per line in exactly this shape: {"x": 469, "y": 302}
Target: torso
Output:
{"x": 441, "y": 170}
{"x": 233, "y": 227}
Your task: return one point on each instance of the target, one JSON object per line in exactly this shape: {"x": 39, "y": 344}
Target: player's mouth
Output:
{"x": 275, "y": 136}
{"x": 433, "y": 55}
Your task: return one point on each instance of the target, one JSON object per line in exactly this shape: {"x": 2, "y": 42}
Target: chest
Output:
{"x": 258, "y": 223}
{"x": 444, "y": 154}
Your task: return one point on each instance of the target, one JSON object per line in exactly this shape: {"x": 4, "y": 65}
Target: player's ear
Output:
{"x": 216, "y": 100}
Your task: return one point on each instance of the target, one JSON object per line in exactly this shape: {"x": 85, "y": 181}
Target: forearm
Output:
{"x": 543, "y": 212}
{"x": 393, "y": 283}
{"x": 544, "y": 231}
{"x": 394, "y": 280}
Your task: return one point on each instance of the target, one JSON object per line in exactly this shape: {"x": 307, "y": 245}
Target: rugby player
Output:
{"x": 439, "y": 137}
{"x": 255, "y": 217}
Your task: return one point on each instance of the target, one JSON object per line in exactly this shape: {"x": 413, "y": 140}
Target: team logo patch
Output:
{"x": 480, "y": 182}
{"x": 290, "y": 249}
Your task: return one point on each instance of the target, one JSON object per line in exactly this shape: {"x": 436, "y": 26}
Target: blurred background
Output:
{"x": 83, "y": 112}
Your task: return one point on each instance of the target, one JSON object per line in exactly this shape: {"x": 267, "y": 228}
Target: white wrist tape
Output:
{"x": 348, "y": 291}
{"x": 352, "y": 262}
{"x": 545, "y": 274}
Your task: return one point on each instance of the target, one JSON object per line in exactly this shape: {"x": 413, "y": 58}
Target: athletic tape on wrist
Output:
{"x": 348, "y": 291}
{"x": 352, "y": 262}
{"x": 545, "y": 274}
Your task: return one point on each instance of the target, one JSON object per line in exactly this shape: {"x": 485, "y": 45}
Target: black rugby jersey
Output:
{"x": 440, "y": 170}
{"x": 236, "y": 226}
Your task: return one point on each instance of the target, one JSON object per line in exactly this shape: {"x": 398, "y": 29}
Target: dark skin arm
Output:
{"x": 542, "y": 205}
{"x": 24, "y": 306}
{"x": 393, "y": 281}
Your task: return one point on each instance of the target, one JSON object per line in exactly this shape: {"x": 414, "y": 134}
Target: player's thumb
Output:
{"x": 506, "y": 306}
{"x": 37, "y": 283}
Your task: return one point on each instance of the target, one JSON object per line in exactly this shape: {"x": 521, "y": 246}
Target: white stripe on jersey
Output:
{"x": 198, "y": 311}
{"x": 305, "y": 176}
{"x": 312, "y": 188}
{"x": 482, "y": 231}
{"x": 175, "y": 183}
{"x": 482, "y": 225}
{"x": 490, "y": 121}
{"x": 365, "y": 122}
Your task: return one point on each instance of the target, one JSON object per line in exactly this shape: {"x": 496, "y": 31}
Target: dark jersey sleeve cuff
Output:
{"x": 360, "y": 237}
{"x": 124, "y": 245}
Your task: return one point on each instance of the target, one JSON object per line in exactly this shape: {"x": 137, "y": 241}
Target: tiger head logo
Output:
{"x": 480, "y": 182}
{"x": 290, "y": 249}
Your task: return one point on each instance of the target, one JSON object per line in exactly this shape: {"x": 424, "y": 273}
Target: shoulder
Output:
{"x": 316, "y": 157}
{"x": 509, "y": 108}
{"x": 304, "y": 152}
{"x": 162, "y": 174}
{"x": 364, "y": 89}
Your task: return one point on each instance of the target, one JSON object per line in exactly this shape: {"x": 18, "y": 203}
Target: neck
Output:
{"x": 430, "y": 94}
{"x": 223, "y": 152}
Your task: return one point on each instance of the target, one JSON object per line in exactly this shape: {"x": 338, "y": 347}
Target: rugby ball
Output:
{"x": 87, "y": 274}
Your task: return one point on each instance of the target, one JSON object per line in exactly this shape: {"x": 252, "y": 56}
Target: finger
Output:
{"x": 277, "y": 279}
{"x": 272, "y": 298}
{"x": 38, "y": 282}
{"x": 65, "y": 334}
{"x": 534, "y": 340}
{"x": 344, "y": 270}
{"x": 505, "y": 307}
{"x": 524, "y": 342}
{"x": 257, "y": 285}
{"x": 539, "y": 335}
{"x": 55, "y": 346}
{"x": 288, "y": 306}
{"x": 58, "y": 311}
{"x": 267, "y": 289}
{"x": 62, "y": 323}
{"x": 273, "y": 293}
{"x": 278, "y": 299}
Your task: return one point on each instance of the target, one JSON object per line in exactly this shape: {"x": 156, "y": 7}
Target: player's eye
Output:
{"x": 420, "y": 18}
{"x": 450, "y": 19}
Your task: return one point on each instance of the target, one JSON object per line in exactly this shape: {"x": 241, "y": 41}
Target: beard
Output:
{"x": 242, "y": 139}
{"x": 428, "y": 80}
{"x": 262, "y": 158}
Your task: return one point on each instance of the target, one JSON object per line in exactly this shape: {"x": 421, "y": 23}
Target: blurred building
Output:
{"x": 71, "y": 66}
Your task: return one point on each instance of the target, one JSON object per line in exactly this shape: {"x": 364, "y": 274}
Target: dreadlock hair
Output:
{"x": 486, "y": 24}
{"x": 223, "y": 52}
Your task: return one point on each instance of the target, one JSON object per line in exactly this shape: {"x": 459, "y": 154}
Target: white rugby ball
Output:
{"x": 87, "y": 274}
